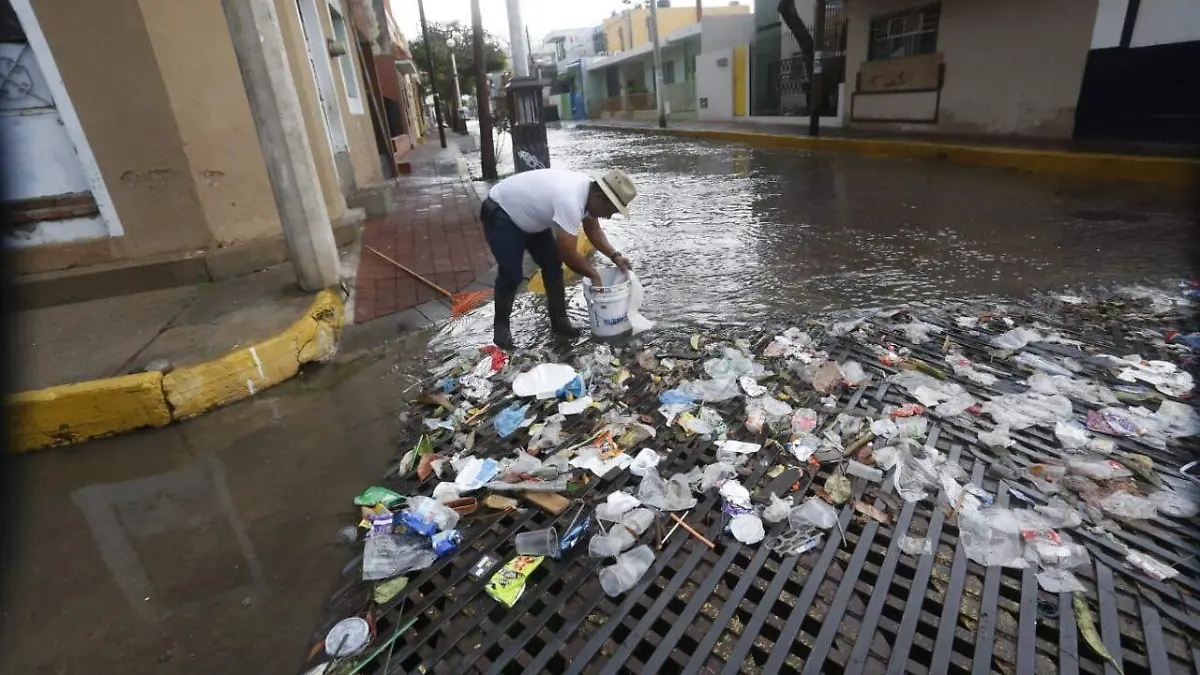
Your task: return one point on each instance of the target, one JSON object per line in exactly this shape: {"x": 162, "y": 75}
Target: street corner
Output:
{"x": 241, "y": 374}
{"x": 73, "y": 413}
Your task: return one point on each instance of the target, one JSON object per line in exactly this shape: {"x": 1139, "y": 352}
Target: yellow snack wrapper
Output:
{"x": 508, "y": 584}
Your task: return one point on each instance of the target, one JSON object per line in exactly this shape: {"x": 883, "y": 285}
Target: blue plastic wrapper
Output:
{"x": 509, "y": 419}
{"x": 418, "y": 524}
{"x": 673, "y": 396}
{"x": 573, "y": 389}
{"x": 446, "y": 542}
{"x": 447, "y": 385}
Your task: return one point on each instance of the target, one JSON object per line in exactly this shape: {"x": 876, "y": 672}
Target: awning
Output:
{"x": 406, "y": 67}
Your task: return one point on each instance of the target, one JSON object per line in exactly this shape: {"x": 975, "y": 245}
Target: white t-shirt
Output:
{"x": 539, "y": 199}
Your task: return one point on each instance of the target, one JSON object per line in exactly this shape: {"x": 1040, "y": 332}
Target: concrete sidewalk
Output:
{"x": 1153, "y": 163}
{"x": 106, "y": 366}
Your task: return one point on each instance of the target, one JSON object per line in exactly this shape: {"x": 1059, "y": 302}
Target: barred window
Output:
{"x": 907, "y": 33}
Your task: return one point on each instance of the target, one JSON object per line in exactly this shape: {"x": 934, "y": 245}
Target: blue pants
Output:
{"x": 509, "y": 243}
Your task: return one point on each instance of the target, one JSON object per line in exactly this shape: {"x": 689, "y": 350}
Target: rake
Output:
{"x": 460, "y": 303}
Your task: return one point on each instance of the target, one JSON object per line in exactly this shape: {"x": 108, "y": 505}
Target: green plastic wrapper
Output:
{"x": 377, "y": 495}
{"x": 507, "y": 584}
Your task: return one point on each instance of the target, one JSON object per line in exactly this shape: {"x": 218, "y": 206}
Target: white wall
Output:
{"x": 1166, "y": 21}
{"x": 995, "y": 84}
{"x": 715, "y": 84}
{"x": 725, "y": 32}
{"x": 1110, "y": 19}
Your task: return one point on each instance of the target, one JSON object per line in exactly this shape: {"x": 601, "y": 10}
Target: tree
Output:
{"x": 439, "y": 35}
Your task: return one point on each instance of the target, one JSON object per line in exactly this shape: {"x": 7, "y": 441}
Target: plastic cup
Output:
{"x": 629, "y": 568}
{"x": 638, "y": 520}
{"x": 538, "y": 542}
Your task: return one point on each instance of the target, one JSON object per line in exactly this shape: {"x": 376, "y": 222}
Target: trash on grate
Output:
{"x": 776, "y": 425}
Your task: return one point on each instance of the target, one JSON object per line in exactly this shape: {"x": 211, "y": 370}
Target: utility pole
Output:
{"x": 658, "y": 78}
{"x": 437, "y": 103}
{"x": 487, "y": 149}
{"x": 529, "y": 49}
{"x": 816, "y": 92}
{"x": 520, "y": 51}
{"x": 699, "y": 11}
{"x": 454, "y": 115}
{"x": 275, "y": 108}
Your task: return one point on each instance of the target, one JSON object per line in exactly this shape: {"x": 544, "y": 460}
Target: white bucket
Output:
{"x": 608, "y": 306}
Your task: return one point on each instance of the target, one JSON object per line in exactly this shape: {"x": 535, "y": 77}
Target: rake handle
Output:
{"x": 413, "y": 274}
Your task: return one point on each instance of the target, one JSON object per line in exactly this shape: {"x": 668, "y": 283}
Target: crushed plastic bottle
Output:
{"x": 1126, "y": 505}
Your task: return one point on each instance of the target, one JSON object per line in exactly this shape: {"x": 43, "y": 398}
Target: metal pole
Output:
{"x": 487, "y": 149}
{"x": 520, "y": 51}
{"x": 815, "y": 90}
{"x": 658, "y": 78}
{"x": 699, "y": 11}
{"x": 437, "y": 103}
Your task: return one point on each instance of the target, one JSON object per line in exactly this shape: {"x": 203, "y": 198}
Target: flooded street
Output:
{"x": 726, "y": 232}
{"x": 212, "y": 546}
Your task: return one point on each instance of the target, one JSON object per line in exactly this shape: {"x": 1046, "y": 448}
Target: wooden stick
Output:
{"x": 413, "y": 274}
{"x": 693, "y": 532}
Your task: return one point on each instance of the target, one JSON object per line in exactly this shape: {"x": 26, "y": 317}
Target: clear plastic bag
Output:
{"x": 778, "y": 509}
{"x": 1070, "y": 435}
{"x": 1100, "y": 469}
{"x": 389, "y": 555}
{"x": 1016, "y": 339}
{"x": 711, "y": 390}
{"x": 853, "y": 373}
{"x": 1125, "y": 505}
{"x": 1059, "y": 581}
{"x": 672, "y": 495}
{"x": 715, "y": 473}
{"x": 428, "y": 510}
{"x": 1176, "y": 504}
{"x": 814, "y": 512}
{"x": 987, "y": 541}
{"x": 645, "y": 460}
{"x": 997, "y": 437}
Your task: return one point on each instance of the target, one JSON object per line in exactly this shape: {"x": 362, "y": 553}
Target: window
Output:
{"x": 907, "y": 33}
{"x": 346, "y": 59}
{"x": 669, "y": 72}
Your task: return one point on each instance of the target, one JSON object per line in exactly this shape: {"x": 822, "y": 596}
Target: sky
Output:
{"x": 540, "y": 16}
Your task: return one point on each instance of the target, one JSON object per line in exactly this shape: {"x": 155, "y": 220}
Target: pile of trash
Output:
{"x": 838, "y": 414}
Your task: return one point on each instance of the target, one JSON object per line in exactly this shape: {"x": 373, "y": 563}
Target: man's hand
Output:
{"x": 597, "y": 280}
{"x": 622, "y": 262}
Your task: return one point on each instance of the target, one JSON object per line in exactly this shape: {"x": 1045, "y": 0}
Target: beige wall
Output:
{"x": 1012, "y": 67}
{"x": 105, "y": 58}
{"x": 310, "y": 104}
{"x": 670, "y": 19}
{"x": 195, "y": 56}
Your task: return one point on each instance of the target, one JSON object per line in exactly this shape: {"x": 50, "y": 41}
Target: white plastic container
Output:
{"x": 608, "y": 306}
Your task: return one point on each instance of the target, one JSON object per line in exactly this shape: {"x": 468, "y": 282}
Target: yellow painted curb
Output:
{"x": 585, "y": 248}
{"x": 1167, "y": 170}
{"x": 73, "y": 413}
{"x": 240, "y": 374}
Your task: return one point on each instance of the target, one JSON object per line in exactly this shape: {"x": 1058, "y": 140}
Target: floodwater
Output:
{"x": 211, "y": 546}
{"x": 728, "y": 233}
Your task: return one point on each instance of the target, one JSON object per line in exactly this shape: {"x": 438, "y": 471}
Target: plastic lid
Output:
{"x": 347, "y": 637}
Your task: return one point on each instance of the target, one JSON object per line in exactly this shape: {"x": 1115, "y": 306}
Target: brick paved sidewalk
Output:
{"x": 433, "y": 228}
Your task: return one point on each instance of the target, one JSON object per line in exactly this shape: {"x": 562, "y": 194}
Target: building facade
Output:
{"x": 128, "y": 135}
{"x": 630, "y": 29}
{"x": 1107, "y": 69}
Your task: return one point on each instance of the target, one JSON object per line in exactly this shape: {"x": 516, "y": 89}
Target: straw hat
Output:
{"x": 618, "y": 188}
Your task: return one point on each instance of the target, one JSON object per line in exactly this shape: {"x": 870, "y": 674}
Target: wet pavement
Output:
{"x": 204, "y": 547}
{"x": 212, "y": 546}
